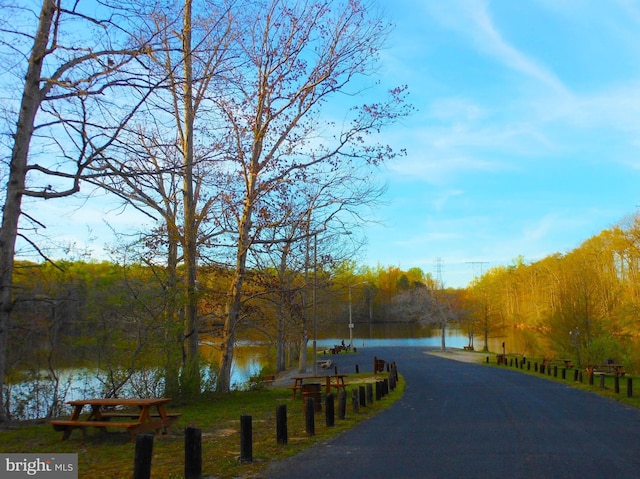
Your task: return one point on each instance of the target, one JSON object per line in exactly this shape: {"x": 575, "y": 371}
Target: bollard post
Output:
{"x": 564, "y": 373}
{"x": 246, "y": 439}
{"x": 192, "y": 453}
{"x": 355, "y": 400}
{"x": 369, "y": 393}
{"x": 575, "y": 375}
{"x": 580, "y": 376}
{"x": 385, "y": 387}
{"x": 590, "y": 378}
{"x": 282, "y": 432}
{"x": 629, "y": 387}
{"x": 555, "y": 371}
{"x": 329, "y": 410}
{"x": 378, "y": 391}
{"x": 602, "y": 381}
{"x": 362, "y": 395}
{"x": 310, "y": 416}
{"x": 143, "y": 455}
{"x": 536, "y": 367}
{"x": 616, "y": 384}
{"x": 342, "y": 404}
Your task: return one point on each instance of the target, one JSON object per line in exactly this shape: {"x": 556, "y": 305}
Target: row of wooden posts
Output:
{"x": 361, "y": 396}
{"x": 578, "y": 375}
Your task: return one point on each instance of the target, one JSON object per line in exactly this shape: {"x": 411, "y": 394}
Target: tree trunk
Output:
{"x": 29, "y": 106}
{"x": 234, "y": 301}
{"x": 191, "y": 373}
{"x": 302, "y": 360}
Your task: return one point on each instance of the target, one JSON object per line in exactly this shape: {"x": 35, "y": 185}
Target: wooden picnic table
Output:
{"x": 151, "y": 415}
{"x": 330, "y": 381}
{"x": 616, "y": 369}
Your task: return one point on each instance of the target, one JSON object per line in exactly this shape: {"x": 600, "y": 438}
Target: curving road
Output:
{"x": 462, "y": 420}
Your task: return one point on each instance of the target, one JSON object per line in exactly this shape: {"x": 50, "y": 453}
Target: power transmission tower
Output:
{"x": 439, "y": 266}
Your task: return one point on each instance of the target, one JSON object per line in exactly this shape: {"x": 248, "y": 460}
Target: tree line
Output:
{"x": 583, "y": 304}
{"x": 112, "y": 318}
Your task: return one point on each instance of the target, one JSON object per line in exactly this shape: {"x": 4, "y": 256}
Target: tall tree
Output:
{"x": 165, "y": 169}
{"x": 297, "y": 56}
{"x": 70, "y": 78}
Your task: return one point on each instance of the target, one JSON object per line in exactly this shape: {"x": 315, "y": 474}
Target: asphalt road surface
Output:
{"x": 463, "y": 420}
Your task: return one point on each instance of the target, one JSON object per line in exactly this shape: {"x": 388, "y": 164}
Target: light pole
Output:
{"x": 350, "y": 317}
{"x": 315, "y": 310}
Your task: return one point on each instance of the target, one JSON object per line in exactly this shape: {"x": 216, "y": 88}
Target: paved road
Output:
{"x": 461, "y": 420}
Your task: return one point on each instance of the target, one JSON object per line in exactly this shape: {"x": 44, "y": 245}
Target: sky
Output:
{"x": 524, "y": 141}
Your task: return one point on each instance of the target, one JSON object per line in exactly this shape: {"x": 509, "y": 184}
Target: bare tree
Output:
{"x": 70, "y": 70}
{"x": 298, "y": 55}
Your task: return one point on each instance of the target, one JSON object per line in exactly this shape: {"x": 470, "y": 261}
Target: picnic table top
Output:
{"x": 141, "y": 402}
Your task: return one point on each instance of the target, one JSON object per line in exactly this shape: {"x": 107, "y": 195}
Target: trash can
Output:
{"x": 312, "y": 390}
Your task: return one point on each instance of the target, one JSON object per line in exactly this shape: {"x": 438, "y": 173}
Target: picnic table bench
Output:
{"x": 151, "y": 416}
{"x": 611, "y": 368}
{"x": 332, "y": 381}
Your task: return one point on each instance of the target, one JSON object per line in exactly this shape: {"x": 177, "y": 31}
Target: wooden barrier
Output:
{"x": 246, "y": 439}
{"x": 192, "y": 453}
{"x": 282, "y": 434}
{"x": 143, "y": 455}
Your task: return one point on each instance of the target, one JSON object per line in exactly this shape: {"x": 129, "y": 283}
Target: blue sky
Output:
{"x": 524, "y": 140}
{"x": 526, "y": 137}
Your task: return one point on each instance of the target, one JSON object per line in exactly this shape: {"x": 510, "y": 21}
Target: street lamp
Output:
{"x": 315, "y": 314}
{"x": 350, "y": 318}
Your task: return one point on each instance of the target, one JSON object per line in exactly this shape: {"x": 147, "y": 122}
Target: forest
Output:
{"x": 582, "y": 304}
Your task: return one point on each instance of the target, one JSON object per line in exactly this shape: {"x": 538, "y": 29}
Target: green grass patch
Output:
{"x": 111, "y": 455}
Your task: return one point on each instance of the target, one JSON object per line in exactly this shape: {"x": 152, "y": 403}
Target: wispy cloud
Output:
{"x": 473, "y": 19}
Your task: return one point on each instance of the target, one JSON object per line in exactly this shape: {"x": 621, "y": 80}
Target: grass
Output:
{"x": 609, "y": 380}
{"x": 111, "y": 455}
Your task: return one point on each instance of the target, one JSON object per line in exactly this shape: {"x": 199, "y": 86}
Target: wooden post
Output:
{"x": 246, "y": 439}
{"x": 342, "y": 404}
{"x": 629, "y": 387}
{"x": 602, "y": 381}
{"x": 329, "y": 411}
{"x": 282, "y": 433}
{"x": 192, "y": 453}
{"x": 564, "y": 373}
{"x": 355, "y": 400}
{"x": 362, "y": 395}
{"x": 369, "y": 393}
{"x": 555, "y": 371}
{"x": 143, "y": 455}
{"x": 575, "y": 375}
{"x": 590, "y": 378}
{"x": 310, "y": 416}
{"x": 616, "y": 384}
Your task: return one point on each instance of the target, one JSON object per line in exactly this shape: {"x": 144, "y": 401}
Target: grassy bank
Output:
{"x": 218, "y": 416}
{"x": 606, "y": 389}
